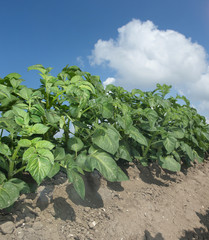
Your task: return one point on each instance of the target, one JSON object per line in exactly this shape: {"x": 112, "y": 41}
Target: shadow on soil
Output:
{"x": 155, "y": 175}
{"x": 199, "y": 233}
{"x": 92, "y": 198}
{"x": 147, "y": 236}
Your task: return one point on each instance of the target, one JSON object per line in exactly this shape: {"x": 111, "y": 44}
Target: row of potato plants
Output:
{"x": 100, "y": 126}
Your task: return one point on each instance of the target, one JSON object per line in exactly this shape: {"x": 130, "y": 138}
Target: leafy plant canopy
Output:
{"x": 109, "y": 124}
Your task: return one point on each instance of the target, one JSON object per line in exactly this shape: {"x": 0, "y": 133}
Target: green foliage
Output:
{"x": 109, "y": 124}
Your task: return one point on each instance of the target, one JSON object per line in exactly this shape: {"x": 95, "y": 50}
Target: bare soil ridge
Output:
{"x": 153, "y": 204}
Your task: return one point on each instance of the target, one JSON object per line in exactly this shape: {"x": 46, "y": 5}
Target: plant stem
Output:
{"x": 19, "y": 170}
{"x": 12, "y": 162}
{"x": 148, "y": 146}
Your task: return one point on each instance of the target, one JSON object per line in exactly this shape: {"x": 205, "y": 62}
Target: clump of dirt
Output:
{"x": 153, "y": 204}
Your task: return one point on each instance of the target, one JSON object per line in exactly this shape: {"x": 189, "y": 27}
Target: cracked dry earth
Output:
{"x": 152, "y": 205}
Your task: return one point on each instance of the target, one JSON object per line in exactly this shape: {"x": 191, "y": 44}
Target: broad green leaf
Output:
{"x": 52, "y": 117}
{"x": 206, "y": 135}
{"x": 169, "y": 163}
{"x": 4, "y": 163}
{"x": 45, "y": 144}
{"x": 105, "y": 164}
{"x": 107, "y": 138}
{"x": 4, "y": 92}
{"x": 13, "y": 75}
{"x": 77, "y": 182}
{"x": 125, "y": 121}
{"x": 124, "y": 152}
{"x": 26, "y": 93}
{"x": 46, "y": 153}
{"x": 151, "y": 115}
{"x": 75, "y": 144}
{"x": 55, "y": 168}
{"x": 40, "y": 128}
{"x": 21, "y": 185}
{"x": 169, "y": 144}
{"x": 82, "y": 162}
{"x": 29, "y": 153}
{"x": 19, "y": 121}
{"x": 4, "y": 149}
{"x": 137, "y": 136}
{"x": 15, "y": 82}
{"x": 24, "y": 143}
{"x": 188, "y": 150}
{"x": 2, "y": 177}
{"x": 9, "y": 193}
{"x": 176, "y": 156}
{"x": 107, "y": 110}
{"x": 39, "y": 168}
{"x": 179, "y": 134}
{"x": 197, "y": 157}
{"x": 38, "y": 67}
{"x": 121, "y": 176}
{"x": 76, "y": 79}
{"x": 59, "y": 153}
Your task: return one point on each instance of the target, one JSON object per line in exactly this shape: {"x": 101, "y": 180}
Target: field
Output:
{"x": 80, "y": 161}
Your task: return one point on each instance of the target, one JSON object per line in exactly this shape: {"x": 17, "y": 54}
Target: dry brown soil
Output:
{"x": 153, "y": 204}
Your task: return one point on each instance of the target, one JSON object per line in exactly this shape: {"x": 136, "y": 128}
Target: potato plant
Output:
{"x": 108, "y": 125}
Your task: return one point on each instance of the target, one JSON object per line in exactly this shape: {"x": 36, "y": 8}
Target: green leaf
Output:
{"x": 4, "y": 163}
{"x": 179, "y": 134}
{"x": 4, "y": 92}
{"x": 151, "y": 115}
{"x": 9, "y": 193}
{"x": 52, "y": 117}
{"x": 55, "y": 168}
{"x": 21, "y": 185}
{"x": 2, "y": 177}
{"x": 188, "y": 150}
{"x": 125, "y": 121}
{"x": 4, "y": 149}
{"x": 197, "y": 157}
{"x": 19, "y": 121}
{"x": 137, "y": 136}
{"x": 77, "y": 182}
{"x": 13, "y": 75}
{"x": 107, "y": 138}
{"x": 105, "y": 164}
{"x": 121, "y": 176}
{"x": 124, "y": 152}
{"x": 39, "y": 128}
{"x": 75, "y": 144}
{"x": 44, "y": 144}
{"x": 82, "y": 161}
{"x": 59, "y": 153}
{"x": 39, "y": 168}
{"x": 169, "y": 144}
{"x": 38, "y": 67}
{"x": 26, "y": 93}
{"x": 169, "y": 163}
{"x": 24, "y": 143}
{"x": 107, "y": 110}
{"x": 30, "y": 153}
{"x": 46, "y": 153}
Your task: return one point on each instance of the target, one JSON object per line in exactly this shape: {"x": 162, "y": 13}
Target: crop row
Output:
{"x": 108, "y": 124}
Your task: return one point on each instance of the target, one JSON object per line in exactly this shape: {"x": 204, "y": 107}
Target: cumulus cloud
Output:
{"x": 142, "y": 55}
{"x": 108, "y": 81}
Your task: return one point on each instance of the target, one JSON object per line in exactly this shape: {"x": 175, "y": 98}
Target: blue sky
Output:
{"x": 56, "y": 33}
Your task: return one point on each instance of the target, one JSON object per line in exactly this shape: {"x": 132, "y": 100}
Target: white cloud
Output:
{"x": 142, "y": 55}
{"x": 109, "y": 80}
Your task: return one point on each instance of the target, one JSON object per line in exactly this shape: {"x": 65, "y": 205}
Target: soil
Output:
{"x": 153, "y": 204}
